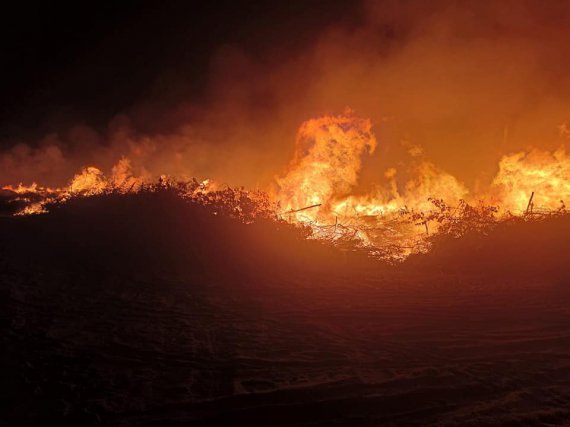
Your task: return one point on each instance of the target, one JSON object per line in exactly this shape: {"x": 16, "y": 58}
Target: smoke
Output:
{"x": 460, "y": 84}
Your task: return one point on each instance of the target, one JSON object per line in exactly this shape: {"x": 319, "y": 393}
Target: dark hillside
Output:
{"x": 149, "y": 310}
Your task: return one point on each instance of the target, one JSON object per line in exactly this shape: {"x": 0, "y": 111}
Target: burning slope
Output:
{"x": 319, "y": 187}
{"x": 89, "y": 182}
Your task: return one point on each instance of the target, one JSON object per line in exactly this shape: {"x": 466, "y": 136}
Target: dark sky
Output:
{"x": 68, "y": 62}
{"x": 214, "y": 88}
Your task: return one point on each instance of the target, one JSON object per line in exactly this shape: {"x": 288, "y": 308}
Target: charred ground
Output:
{"x": 146, "y": 309}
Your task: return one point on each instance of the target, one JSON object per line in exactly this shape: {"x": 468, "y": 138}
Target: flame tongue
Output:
{"x": 326, "y": 164}
{"x": 89, "y": 182}
{"x": 541, "y": 172}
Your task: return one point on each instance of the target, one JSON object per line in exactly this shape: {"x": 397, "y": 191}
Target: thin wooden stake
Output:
{"x": 303, "y": 209}
{"x": 530, "y": 204}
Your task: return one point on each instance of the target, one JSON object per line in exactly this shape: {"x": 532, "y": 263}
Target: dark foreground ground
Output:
{"x": 86, "y": 345}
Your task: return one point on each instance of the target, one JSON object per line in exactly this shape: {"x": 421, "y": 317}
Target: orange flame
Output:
{"x": 326, "y": 164}
{"x": 543, "y": 173}
{"x": 89, "y": 182}
{"x": 318, "y": 188}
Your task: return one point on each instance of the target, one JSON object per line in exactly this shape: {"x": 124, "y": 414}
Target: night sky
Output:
{"x": 217, "y": 87}
{"x": 70, "y": 62}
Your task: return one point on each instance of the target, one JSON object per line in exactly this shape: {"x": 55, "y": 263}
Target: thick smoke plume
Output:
{"x": 459, "y": 84}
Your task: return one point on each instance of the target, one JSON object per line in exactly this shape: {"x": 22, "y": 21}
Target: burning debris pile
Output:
{"x": 318, "y": 193}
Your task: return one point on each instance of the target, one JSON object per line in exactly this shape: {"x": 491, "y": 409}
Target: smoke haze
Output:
{"x": 459, "y": 84}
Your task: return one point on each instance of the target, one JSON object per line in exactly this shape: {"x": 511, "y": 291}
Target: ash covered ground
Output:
{"x": 141, "y": 310}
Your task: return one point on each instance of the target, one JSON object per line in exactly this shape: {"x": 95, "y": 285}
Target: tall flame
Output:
{"x": 318, "y": 186}
{"x": 543, "y": 173}
{"x": 327, "y": 161}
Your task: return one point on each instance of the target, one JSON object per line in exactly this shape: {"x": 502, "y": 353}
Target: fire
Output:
{"x": 319, "y": 189}
{"x": 326, "y": 163}
{"x": 543, "y": 173}
{"x": 89, "y": 182}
